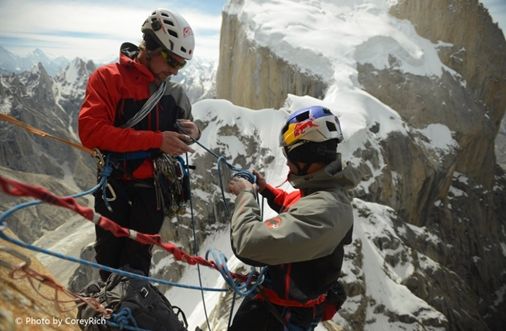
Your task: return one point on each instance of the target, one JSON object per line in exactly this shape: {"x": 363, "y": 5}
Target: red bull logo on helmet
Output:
{"x": 301, "y": 127}
{"x": 187, "y": 31}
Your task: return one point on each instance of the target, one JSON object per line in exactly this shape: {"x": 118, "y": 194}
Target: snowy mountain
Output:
{"x": 9, "y": 62}
{"x": 420, "y": 102}
{"x": 420, "y": 97}
{"x": 198, "y": 78}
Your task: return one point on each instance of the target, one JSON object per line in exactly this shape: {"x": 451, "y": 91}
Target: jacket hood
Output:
{"x": 127, "y": 57}
{"x": 329, "y": 177}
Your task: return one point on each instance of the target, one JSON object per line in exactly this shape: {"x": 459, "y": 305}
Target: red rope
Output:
{"x": 20, "y": 189}
{"x": 43, "y": 134}
{"x": 23, "y": 271}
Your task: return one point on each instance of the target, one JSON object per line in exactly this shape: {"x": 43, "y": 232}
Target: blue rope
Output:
{"x": 27, "y": 204}
{"x": 244, "y": 288}
{"x": 123, "y": 320}
{"x": 240, "y": 172}
{"x": 9, "y": 212}
{"x": 104, "y": 267}
{"x": 218, "y": 257}
{"x": 103, "y": 180}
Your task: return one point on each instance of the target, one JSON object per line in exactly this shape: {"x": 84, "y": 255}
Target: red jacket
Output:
{"x": 280, "y": 200}
{"x": 115, "y": 92}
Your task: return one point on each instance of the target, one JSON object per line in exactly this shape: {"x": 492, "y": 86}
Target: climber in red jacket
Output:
{"x": 114, "y": 95}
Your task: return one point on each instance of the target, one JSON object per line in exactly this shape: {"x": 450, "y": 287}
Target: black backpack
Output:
{"x": 134, "y": 302}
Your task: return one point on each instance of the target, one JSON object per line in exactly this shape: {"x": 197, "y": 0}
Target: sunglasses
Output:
{"x": 171, "y": 60}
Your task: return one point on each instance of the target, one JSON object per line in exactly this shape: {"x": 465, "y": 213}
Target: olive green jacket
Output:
{"x": 310, "y": 228}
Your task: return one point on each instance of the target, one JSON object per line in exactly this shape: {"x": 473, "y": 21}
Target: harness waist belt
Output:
{"x": 130, "y": 156}
{"x": 273, "y": 297}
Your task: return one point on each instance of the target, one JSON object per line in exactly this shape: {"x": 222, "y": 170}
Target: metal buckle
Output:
{"x": 144, "y": 292}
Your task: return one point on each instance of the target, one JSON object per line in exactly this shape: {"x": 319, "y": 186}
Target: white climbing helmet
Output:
{"x": 172, "y": 32}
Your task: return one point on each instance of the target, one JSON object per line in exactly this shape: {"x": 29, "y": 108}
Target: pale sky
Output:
{"x": 94, "y": 29}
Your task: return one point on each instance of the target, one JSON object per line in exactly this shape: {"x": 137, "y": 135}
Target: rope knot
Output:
{"x": 124, "y": 318}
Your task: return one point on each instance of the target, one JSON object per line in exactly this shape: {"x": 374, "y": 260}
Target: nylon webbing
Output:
{"x": 147, "y": 107}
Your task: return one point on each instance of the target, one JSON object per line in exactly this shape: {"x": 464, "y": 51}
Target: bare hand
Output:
{"x": 260, "y": 180}
{"x": 174, "y": 143}
{"x": 238, "y": 184}
{"x": 190, "y": 128}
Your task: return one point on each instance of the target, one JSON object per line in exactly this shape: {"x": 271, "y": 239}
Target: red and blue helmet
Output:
{"x": 315, "y": 123}
{"x": 311, "y": 134}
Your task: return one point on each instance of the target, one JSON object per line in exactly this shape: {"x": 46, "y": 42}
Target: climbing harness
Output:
{"x": 271, "y": 296}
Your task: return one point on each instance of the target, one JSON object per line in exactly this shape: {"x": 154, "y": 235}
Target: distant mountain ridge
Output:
{"x": 10, "y": 62}
{"x": 197, "y": 77}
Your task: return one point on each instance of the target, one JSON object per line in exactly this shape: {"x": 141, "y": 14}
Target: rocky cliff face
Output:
{"x": 440, "y": 238}
{"x": 457, "y": 196}
{"x": 50, "y": 105}
{"x": 254, "y": 77}
{"x": 69, "y": 88}
{"x": 35, "y": 98}
{"x": 476, "y": 50}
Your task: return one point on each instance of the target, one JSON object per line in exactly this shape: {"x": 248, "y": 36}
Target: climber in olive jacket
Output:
{"x": 302, "y": 247}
